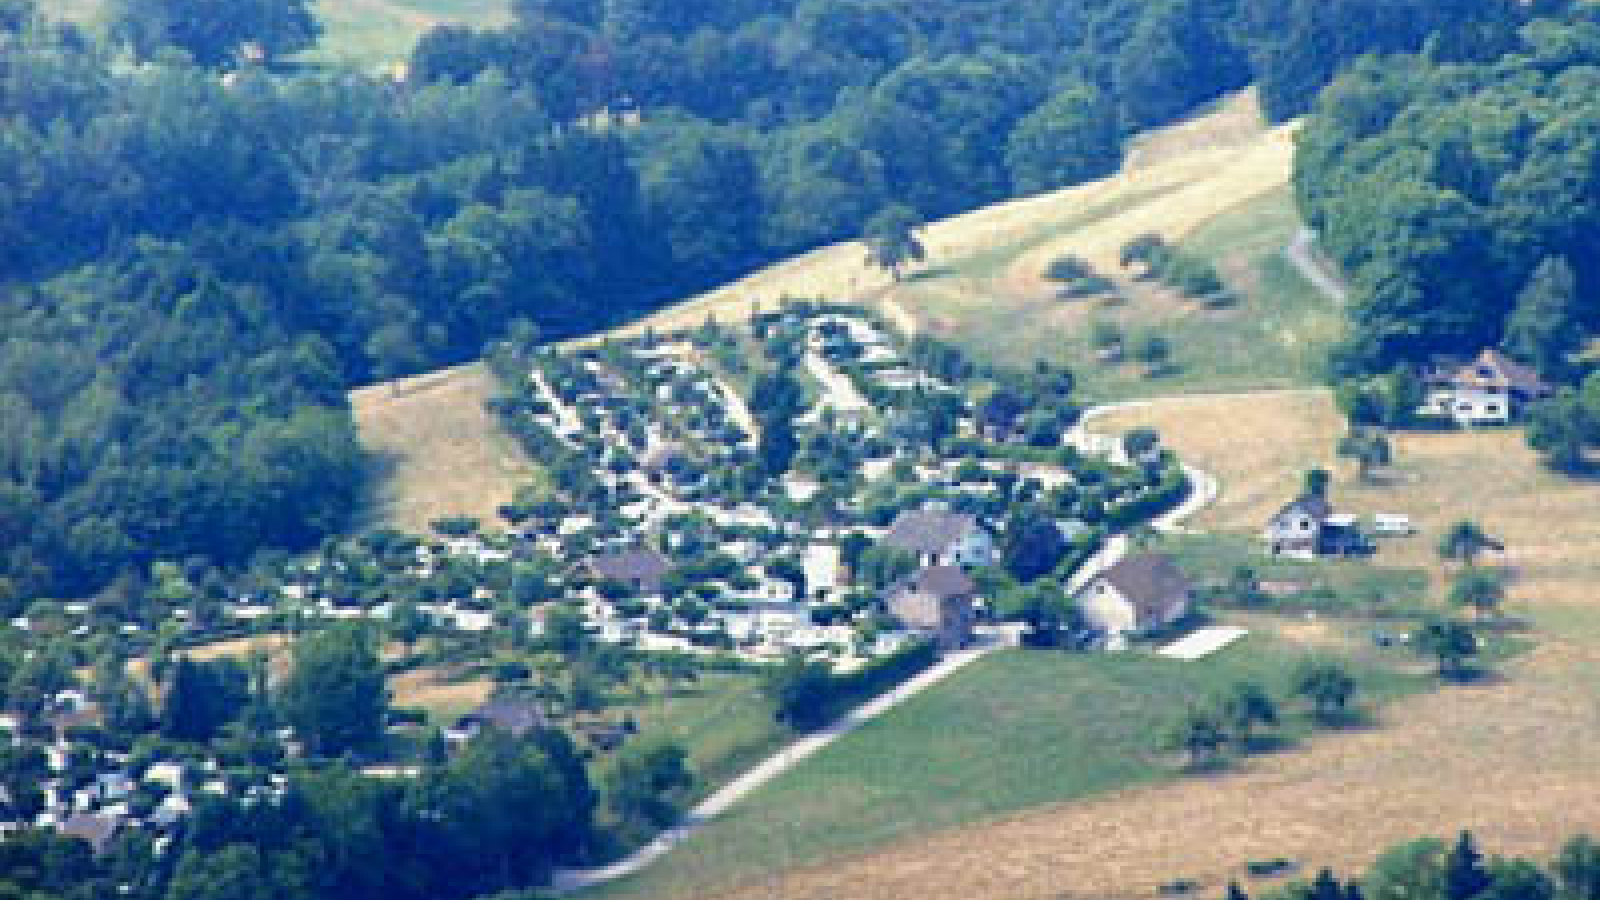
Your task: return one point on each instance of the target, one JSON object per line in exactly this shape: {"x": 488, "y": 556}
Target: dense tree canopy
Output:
{"x": 196, "y": 266}
{"x": 1460, "y": 196}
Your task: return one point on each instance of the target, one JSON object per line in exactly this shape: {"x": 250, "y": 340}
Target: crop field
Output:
{"x": 1016, "y": 730}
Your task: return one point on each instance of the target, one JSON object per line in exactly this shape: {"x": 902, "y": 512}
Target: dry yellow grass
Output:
{"x": 442, "y": 453}
{"x": 1258, "y": 445}
{"x": 1512, "y": 759}
{"x": 1177, "y": 178}
{"x": 434, "y": 690}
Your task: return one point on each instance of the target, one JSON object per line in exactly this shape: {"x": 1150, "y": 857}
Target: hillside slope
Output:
{"x": 440, "y": 452}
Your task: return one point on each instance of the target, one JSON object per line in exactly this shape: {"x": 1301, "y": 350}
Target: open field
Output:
{"x": 1506, "y": 757}
{"x": 370, "y": 34}
{"x": 1177, "y": 179}
{"x": 1216, "y": 185}
{"x": 722, "y": 720}
{"x": 441, "y": 452}
{"x": 375, "y": 34}
{"x": 1271, "y": 336}
{"x": 1015, "y": 730}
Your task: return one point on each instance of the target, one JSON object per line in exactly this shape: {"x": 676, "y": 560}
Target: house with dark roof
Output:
{"x": 1307, "y": 527}
{"x": 1489, "y": 390}
{"x": 640, "y": 567}
{"x": 942, "y": 538}
{"x": 516, "y": 716}
{"x": 1139, "y": 593}
{"x": 939, "y": 602}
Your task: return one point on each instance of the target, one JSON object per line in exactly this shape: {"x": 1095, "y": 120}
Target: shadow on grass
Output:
{"x": 930, "y": 274}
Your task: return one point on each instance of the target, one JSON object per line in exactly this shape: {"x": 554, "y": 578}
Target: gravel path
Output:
{"x": 1303, "y": 254}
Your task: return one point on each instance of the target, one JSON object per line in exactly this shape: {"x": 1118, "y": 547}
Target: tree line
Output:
{"x": 1454, "y": 188}
{"x": 197, "y": 264}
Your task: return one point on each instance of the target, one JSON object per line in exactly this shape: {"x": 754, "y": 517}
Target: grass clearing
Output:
{"x": 722, "y": 720}
{"x": 1360, "y": 586}
{"x": 1188, "y": 174}
{"x": 379, "y": 34}
{"x": 441, "y": 452}
{"x": 1018, "y": 729}
{"x": 371, "y": 35}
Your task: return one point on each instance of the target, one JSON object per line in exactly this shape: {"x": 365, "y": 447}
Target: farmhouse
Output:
{"x": 942, "y": 538}
{"x": 1308, "y": 527}
{"x": 937, "y": 602}
{"x": 1487, "y": 391}
{"x": 1139, "y": 594}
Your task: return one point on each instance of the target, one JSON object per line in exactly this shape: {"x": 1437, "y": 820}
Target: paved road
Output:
{"x": 568, "y": 880}
{"x": 1303, "y": 254}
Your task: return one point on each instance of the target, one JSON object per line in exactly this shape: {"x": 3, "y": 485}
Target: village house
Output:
{"x": 1138, "y": 594}
{"x": 640, "y": 567}
{"x": 1307, "y": 527}
{"x": 938, "y": 602}
{"x": 515, "y": 716}
{"x": 1490, "y": 390}
{"x": 942, "y": 538}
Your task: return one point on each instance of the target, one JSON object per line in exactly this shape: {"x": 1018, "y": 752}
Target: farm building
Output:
{"x": 1487, "y": 391}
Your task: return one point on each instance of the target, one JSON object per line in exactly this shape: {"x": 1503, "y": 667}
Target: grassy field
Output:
{"x": 723, "y": 721}
{"x": 1016, "y": 730}
{"x": 374, "y": 34}
{"x": 441, "y": 452}
{"x": 1359, "y": 586}
{"x": 1177, "y": 179}
{"x": 1505, "y": 757}
{"x": 1273, "y": 336}
{"x": 369, "y": 34}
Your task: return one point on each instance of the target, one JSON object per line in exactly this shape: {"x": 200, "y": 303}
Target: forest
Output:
{"x": 1457, "y": 190}
{"x": 202, "y": 249}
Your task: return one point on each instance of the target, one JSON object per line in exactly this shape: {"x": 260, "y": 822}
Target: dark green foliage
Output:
{"x": 1451, "y": 643}
{"x": 807, "y": 695}
{"x": 646, "y": 782}
{"x": 1543, "y": 329}
{"x": 1464, "y": 873}
{"x": 1578, "y": 868}
{"x": 892, "y": 240}
{"x": 1444, "y": 192}
{"x": 200, "y": 697}
{"x": 1032, "y": 544}
{"x": 216, "y": 33}
{"x": 335, "y": 696}
{"x": 1328, "y": 686}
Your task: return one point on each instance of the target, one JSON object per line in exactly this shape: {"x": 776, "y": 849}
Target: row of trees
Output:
{"x": 1432, "y": 869}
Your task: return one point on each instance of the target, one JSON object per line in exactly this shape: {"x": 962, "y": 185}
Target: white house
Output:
{"x": 1140, "y": 593}
{"x": 942, "y": 538}
{"x": 1487, "y": 391}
